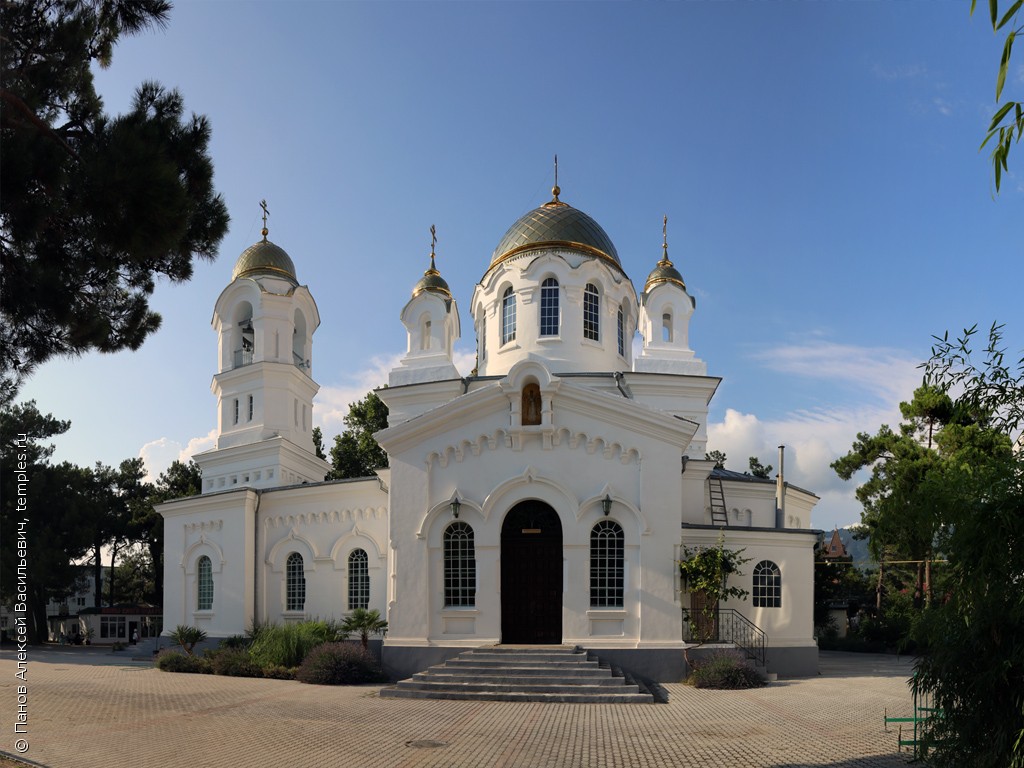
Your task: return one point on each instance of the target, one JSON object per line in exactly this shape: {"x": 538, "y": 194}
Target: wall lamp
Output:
{"x": 456, "y": 505}
{"x": 606, "y": 504}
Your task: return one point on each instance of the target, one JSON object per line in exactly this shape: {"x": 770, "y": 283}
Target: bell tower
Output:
{"x": 264, "y": 382}
{"x": 665, "y": 311}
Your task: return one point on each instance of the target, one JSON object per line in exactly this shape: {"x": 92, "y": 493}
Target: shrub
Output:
{"x": 280, "y": 673}
{"x": 339, "y": 664}
{"x": 725, "y": 670}
{"x": 187, "y": 637}
{"x": 234, "y": 642}
{"x": 286, "y": 645}
{"x": 176, "y": 661}
{"x": 235, "y": 663}
{"x": 364, "y": 623}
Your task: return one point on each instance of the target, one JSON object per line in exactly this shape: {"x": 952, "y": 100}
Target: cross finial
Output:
{"x": 433, "y": 242}
{"x": 555, "y": 190}
{"x": 266, "y": 213}
{"x": 664, "y": 241}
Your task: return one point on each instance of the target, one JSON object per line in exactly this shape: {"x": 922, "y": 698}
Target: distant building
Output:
{"x": 543, "y": 499}
{"x": 835, "y": 550}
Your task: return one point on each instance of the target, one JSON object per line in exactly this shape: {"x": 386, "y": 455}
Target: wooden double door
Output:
{"x": 531, "y": 575}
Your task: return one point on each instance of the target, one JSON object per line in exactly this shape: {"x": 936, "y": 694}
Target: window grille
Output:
{"x": 549, "y": 307}
{"x": 459, "y": 565}
{"x": 591, "y": 313}
{"x": 358, "y": 580}
{"x": 621, "y": 328}
{"x": 295, "y": 583}
{"x": 204, "y": 574}
{"x": 508, "y": 316}
{"x": 607, "y": 565}
{"x": 767, "y": 585}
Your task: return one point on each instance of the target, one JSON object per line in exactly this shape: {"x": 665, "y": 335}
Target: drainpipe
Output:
{"x": 256, "y": 559}
{"x": 780, "y": 491}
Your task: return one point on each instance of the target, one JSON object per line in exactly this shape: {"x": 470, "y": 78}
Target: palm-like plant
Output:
{"x": 187, "y": 637}
{"x": 365, "y": 623}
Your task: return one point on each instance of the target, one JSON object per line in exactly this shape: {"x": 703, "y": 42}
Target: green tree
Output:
{"x": 318, "y": 443}
{"x": 133, "y": 577}
{"x": 364, "y": 623}
{"x": 1007, "y": 124}
{"x": 716, "y": 456}
{"x": 973, "y": 664}
{"x": 178, "y": 481}
{"x": 901, "y": 518}
{"x": 757, "y": 469}
{"x": 355, "y": 452}
{"x": 94, "y": 207}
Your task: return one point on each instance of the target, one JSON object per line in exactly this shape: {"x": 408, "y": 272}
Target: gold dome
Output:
{"x": 664, "y": 272}
{"x": 556, "y": 225}
{"x": 265, "y": 258}
{"x": 433, "y": 282}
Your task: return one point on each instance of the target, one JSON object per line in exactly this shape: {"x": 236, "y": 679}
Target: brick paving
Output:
{"x": 94, "y": 709}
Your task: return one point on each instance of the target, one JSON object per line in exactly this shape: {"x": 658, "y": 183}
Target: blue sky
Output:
{"x": 828, "y": 206}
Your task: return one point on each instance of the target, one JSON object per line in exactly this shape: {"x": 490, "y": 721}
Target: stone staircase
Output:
{"x": 524, "y": 673}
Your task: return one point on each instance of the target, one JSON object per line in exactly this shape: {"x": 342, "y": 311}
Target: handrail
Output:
{"x": 730, "y": 626}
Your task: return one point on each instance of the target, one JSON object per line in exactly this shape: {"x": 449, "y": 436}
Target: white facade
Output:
{"x": 543, "y": 499}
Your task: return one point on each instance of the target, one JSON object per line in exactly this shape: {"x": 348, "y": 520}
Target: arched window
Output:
{"x": 549, "y": 307}
{"x": 295, "y": 583}
{"x": 767, "y": 585}
{"x": 607, "y": 565}
{"x": 591, "y": 313}
{"x": 508, "y": 316}
{"x": 666, "y": 327}
{"x": 459, "y": 565}
{"x": 204, "y": 578}
{"x": 358, "y": 580}
{"x": 621, "y": 332}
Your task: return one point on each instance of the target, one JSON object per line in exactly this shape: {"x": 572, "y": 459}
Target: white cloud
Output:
{"x": 332, "y": 403}
{"x": 159, "y": 454}
{"x": 816, "y": 438}
{"x": 900, "y": 72}
{"x": 943, "y": 106}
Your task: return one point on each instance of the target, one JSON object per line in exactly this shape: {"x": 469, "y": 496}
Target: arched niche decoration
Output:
{"x": 531, "y": 406}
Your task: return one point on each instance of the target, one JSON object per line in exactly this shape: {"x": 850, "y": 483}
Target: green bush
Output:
{"x": 235, "y": 663}
{"x": 280, "y": 673}
{"x": 234, "y": 642}
{"x": 725, "y": 670}
{"x": 176, "y": 661}
{"x": 187, "y": 637}
{"x": 286, "y": 645}
{"x": 339, "y": 664}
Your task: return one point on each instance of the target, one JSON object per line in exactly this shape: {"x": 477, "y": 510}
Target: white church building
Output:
{"x": 543, "y": 499}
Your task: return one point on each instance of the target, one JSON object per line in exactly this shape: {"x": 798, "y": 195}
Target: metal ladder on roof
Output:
{"x": 719, "y": 514}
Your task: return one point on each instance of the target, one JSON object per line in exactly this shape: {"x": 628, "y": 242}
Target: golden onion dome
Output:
{"x": 433, "y": 282}
{"x": 664, "y": 272}
{"x": 265, "y": 258}
{"x": 556, "y": 225}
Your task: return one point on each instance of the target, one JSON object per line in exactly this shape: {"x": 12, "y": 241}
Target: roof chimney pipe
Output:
{"x": 780, "y": 490}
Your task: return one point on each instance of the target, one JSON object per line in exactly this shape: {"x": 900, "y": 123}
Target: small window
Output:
{"x": 483, "y": 338}
{"x": 607, "y": 565}
{"x": 666, "y": 327}
{"x": 459, "y": 565}
{"x": 204, "y": 578}
{"x": 549, "y": 307}
{"x": 295, "y": 583}
{"x": 591, "y": 313}
{"x": 767, "y": 585}
{"x": 358, "y": 580}
{"x": 252, "y": 407}
{"x": 508, "y": 316}
{"x": 425, "y": 341}
{"x": 235, "y": 411}
{"x": 621, "y": 332}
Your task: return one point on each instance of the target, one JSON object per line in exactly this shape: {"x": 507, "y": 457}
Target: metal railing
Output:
{"x": 726, "y": 625}
{"x": 925, "y": 714}
{"x": 242, "y": 357}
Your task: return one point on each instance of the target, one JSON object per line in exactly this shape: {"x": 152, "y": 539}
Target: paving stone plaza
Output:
{"x": 90, "y": 708}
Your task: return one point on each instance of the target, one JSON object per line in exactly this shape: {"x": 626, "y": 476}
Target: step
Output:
{"x": 512, "y": 686}
{"x": 518, "y": 673}
{"x": 559, "y": 698}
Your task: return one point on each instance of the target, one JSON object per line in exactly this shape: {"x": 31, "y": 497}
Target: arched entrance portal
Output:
{"x": 531, "y": 575}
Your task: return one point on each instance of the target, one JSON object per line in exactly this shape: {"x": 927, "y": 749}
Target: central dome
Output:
{"x": 265, "y": 258}
{"x": 556, "y": 225}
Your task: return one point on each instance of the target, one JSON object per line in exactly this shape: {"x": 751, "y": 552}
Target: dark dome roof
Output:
{"x": 664, "y": 272}
{"x": 432, "y": 281}
{"x": 556, "y": 224}
{"x": 265, "y": 258}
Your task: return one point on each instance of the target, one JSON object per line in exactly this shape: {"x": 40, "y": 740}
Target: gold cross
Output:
{"x": 263, "y": 205}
